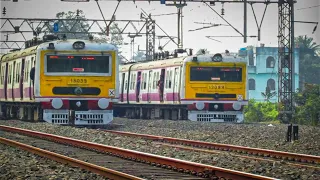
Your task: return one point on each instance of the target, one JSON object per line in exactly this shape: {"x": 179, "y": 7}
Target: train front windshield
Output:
{"x": 76, "y": 63}
{"x": 214, "y": 74}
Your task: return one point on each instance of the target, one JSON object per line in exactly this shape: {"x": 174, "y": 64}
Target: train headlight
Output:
{"x": 56, "y": 103}
{"x": 200, "y": 105}
{"x": 78, "y": 45}
{"x": 240, "y": 97}
{"x": 236, "y": 106}
{"x": 103, "y": 103}
{"x": 217, "y": 58}
{"x": 215, "y": 106}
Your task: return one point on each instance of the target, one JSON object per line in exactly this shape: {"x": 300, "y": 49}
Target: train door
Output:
{"x": 21, "y": 79}
{"x": 13, "y": 79}
{"x": 33, "y": 64}
{"x": 175, "y": 84}
{"x": 122, "y": 86}
{"x": 149, "y": 86}
{"x": 138, "y": 86}
{"x": 6, "y": 82}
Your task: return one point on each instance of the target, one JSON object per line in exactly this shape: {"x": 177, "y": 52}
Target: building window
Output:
{"x": 252, "y": 84}
{"x": 251, "y": 60}
{"x": 270, "y": 62}
{"x": 271, "y": 84}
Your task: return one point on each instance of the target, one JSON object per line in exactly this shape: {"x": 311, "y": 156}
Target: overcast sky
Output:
{"x": 193, "y": 12}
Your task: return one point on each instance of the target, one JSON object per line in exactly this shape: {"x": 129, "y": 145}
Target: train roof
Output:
{"x": 179, "y": 61}
{"x": 59, "y": 45}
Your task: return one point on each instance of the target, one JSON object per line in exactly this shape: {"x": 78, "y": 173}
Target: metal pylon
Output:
{"x": 150, "y": 39}
{"x": 286, "y": 60}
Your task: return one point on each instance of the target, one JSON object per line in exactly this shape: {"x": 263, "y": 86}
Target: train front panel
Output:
{"x": 76, "y": 82}
{"x": 215, "y": 91}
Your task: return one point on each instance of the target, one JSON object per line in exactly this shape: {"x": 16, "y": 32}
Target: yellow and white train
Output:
{"x": 209, "y": 88}
{"x": 75, "y": 82}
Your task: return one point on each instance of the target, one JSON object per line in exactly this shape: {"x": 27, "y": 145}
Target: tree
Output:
{"x": 71, "y": 26}
{"x": 202, "y": 51}
{"x": 308, "y": 105}
{"x": 82, "y": 26}
{"x": 268, "y": 94}
{"x": 309, "y": 61}
{"x": 116, "y": 37}
{"x": 306, "y": 45}
{"x": 140, "y": 56}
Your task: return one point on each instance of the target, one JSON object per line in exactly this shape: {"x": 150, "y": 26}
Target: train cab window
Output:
{"x": 74, "y": 64}
{"x": 216, "y": 74}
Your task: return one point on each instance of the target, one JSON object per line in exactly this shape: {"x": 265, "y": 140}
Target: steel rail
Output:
{"x": 67, "y": 160}
{"x": 227, "y": 147}
{"x": 166, "y": 162}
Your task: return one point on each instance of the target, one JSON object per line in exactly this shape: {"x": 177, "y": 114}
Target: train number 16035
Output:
{"x": 78, "y": 81}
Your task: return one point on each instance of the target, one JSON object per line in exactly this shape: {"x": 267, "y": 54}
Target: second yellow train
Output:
{"x": 211, "y": 88}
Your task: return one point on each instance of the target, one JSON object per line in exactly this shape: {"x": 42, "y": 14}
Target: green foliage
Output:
{"x": 268, "y": 94}
{"x": 260, "y": 111}
{"x": 116, "y": 37}
{"x": 202, "y": 51}
{"x": 308, "y": 106}
{"x": 307, "y": 45}
{"x": 71, "y": 26}
{"x": 309, "y": 62}
{"x": 140, "y": 56}
{"x": 82, "y": 26}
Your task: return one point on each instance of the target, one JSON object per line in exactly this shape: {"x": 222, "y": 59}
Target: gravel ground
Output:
{"x": 19, "y": 164}
{"x": 252, "y": 135}
{"x": 271, "y": 169}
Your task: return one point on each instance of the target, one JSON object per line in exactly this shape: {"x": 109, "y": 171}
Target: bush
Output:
{"x": 308, "y": 106}
{"x": 261, "y": 112}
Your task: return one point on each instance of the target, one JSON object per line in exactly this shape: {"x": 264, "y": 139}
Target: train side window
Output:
{"x": 167, "y": 79}
{"x": 1, "y": 74}
{"x": 144, "y": 78}
{"x": 142, "y": 81}
{"x": 134, "y": 81}
{"x": 154, "y": 81}
{"x": 18, "y": 72}
{"x": 158, "y": 77}
{"x": 170, "y": 78}
{"x": 126, "y": 85}
{"x": 26, "y": 71}
{"x": 145, "y": 81}
{"x": 9, "y": 78}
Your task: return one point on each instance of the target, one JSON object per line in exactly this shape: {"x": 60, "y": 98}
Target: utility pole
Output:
{"x": 180, "y": 22}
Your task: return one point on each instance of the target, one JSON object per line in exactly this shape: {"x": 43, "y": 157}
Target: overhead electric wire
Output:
{"x": 308, "y": 7}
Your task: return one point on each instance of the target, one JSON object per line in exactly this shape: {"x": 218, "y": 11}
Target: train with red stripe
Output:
{"x": 210, "y": 88}
{"x": 67, "y": 81}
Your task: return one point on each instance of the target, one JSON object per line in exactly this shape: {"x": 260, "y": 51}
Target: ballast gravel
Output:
{"x": 276, "y": 169}
{"x": 19, "y": 164}
{"x": 251, "y": 135}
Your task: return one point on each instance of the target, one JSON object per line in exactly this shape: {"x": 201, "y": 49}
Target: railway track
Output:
{"x": 138, "y": 164}
{"x": 303, "y": 159}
